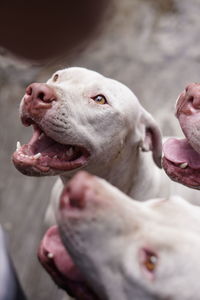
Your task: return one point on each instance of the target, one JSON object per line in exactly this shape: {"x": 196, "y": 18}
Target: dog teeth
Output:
{"x": 38, "y": 155}
{"x": 69, "y": 152}
{"x": 55, "y": 156}
{"x": 41, "y": 136}
{"x": 50, "y": 255}
{"x": 18, "y": 145}
{"x": 183, "y": 165}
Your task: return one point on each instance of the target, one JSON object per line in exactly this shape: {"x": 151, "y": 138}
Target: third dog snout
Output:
{"x": 189, "y": 101}
{"x": 193, "y": 94}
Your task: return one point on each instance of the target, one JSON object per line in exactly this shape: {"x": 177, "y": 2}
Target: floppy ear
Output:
{"x": 151, "y": 137}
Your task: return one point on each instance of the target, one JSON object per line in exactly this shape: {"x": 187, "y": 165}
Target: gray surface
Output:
{"x": 10, "y": 288}
{"x": 154, "y": 48}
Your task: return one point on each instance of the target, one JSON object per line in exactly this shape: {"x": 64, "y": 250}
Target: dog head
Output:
{"x": 82, "y": 119}
{"x": 126, "y": 249}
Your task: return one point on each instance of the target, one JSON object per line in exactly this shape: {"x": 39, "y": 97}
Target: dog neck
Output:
{"x": 147, "y": 180}
{"x": 134, "y": 173}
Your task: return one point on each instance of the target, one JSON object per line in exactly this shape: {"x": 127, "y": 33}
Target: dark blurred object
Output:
{"x": 10, "y": 288}
{"x": 39, "y": 30}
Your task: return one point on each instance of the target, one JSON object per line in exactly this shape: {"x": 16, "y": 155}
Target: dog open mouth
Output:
{"x": 58, "y": 263}
{"x": 181, "y": 162}
{"x": 45, "y": 156}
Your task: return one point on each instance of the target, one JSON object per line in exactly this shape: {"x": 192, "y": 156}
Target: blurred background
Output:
{"x": 153, "y": 46}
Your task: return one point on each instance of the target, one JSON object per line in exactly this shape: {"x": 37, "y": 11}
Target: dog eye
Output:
{"x": 55, "y": 77}
{"x": 100, "y": 99}
{"x": 149, "y": 260}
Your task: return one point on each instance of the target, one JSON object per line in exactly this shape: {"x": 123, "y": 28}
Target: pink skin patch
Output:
{"x": 58, "y": 263}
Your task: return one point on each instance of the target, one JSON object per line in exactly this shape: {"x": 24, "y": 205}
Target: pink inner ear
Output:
{"x": 153, "y": 142}
{"x": 148, "y": 261}
{"x": 147, "y": 144}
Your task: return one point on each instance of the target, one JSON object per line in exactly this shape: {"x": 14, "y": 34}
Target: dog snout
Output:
{"x": 40, "y": 92}
{"x": 193, "y": 94}
{"x": 36, "y": 101}
{"x": 74, "y": 194}
{"x": 189, "y": 101}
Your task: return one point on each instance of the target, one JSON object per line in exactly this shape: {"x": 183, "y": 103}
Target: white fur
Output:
{"x": 116, "y": 135}
{"x": 106, "y": 236}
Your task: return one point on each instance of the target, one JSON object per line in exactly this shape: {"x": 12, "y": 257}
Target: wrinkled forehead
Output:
{"x": 78, "y": 75}
{"x": 90, "y": 80}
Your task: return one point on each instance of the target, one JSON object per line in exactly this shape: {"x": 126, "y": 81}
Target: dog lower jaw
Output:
{"x": 43, "y": 156}
{"x": 58, "y": 263}
{"x": 181, "y": 162}
{"x": 44, "y": 165}
{"x": 186, "y": 176}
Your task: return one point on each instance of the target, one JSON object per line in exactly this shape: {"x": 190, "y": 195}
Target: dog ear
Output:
{"x": 151, "y": 137}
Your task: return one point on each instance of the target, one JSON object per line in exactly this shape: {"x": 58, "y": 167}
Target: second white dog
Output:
{"x": 121, "y": 249}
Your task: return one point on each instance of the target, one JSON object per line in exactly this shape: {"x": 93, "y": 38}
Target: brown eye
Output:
{"x": 55, "y": 77}
{"x": 149, "y": 260}
{"x": 100, "y": 99}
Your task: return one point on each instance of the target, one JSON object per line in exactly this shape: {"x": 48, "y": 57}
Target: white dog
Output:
{"x": 121, "y": 249}
{"x": 82, "y": 119}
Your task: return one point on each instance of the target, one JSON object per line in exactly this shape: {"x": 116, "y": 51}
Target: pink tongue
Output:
{"x": 52, "y": 244}
{"x": 179, "y": 151}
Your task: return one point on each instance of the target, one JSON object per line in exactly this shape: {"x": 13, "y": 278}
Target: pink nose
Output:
{"x": 75, "y": 192}
{"x": 189, "y": 101}
{"x": 193, "y": 94}
{"x": 40, "y": 92}
{"x": 36, "y": 101}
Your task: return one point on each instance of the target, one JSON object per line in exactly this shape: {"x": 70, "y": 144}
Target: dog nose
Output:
{"x": 40, "y": 92}
{"x": 37, "y": 100}
{"x": 75, "y": 192}
{"x": 189, "y": 101}
{"x": 192, "y": 93}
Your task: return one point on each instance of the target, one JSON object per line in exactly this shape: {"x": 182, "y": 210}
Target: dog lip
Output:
{"x": 53, "y": 252}
{"x": 187, "y": 176}
{"x": 27, "y": 121}
{"x": 44, "y": 155}
{"x": 59, "y": 264}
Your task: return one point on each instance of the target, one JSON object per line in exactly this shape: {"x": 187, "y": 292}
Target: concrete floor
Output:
{"x": 153, "y": 46}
